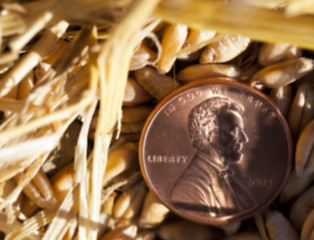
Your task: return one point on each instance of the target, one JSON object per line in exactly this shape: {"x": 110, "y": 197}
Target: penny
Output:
{"x": 216, "y": 151}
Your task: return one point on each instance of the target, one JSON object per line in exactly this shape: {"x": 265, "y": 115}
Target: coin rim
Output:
{"x": 243, "y": 214}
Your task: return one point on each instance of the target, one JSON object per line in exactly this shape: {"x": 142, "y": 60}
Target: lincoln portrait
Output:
{"x": 209, "y": 184}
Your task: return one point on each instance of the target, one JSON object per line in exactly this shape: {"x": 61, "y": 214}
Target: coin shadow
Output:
{"x": 203, "y": 209}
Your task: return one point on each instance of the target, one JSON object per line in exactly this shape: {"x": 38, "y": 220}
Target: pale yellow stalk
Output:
{"x": 11, "y": 24}
{"x": 259, "y": 23}
{"x": 66, "y": 212}
{"x": 30, "y": 226}
{"x": 41, "y": 49}
{"x": 80, "y": 158}
{"x": 8, "y": 104}
{"x": 7, "y": 227}
{"x": 299, "y": 7}
{"x": 39, "y": 23}
{"x": 113, "y": 62}
{"x": 23, "y": 181}
{"x": 56, "y": 116}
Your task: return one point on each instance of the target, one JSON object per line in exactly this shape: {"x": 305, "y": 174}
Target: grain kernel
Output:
{"x": 273, "y": 52}
{"x": 307, "y": 231}
{"x": 63, "y": 181}
{"x": 153, "y": 212}
{"x": 158, "y": 85}
{"x": 304, "y": 156}
{"x": 120, "y": 159}
{"x": 142, "y": 56}
{"x": 39, "y": 190}
{"x": 123, "y": 233}
{"x": 245, "y": 236}
{"x": 135, "y": 114}
{"x": 184, "y": 230}
{"x": 296, "y": 184}
{"x": 282, "y": 96}
{"x": 135, "y": 94}
{"x": 224, "y": 48}
{"x": 199, "y": 71}
{"x": 283, "y": 73}
{"x": 279, "y": 228}
{"x": 301, "y": 208}
{"x": 130, "y": 202}
{"x": 172, "y": 41}
{"x": 302, "y": 109}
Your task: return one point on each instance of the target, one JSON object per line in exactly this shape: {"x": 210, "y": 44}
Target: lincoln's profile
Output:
{"x": 208, "y": 184}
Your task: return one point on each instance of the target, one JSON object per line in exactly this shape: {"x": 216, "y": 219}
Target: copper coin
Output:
{"x": 216, "y": 151}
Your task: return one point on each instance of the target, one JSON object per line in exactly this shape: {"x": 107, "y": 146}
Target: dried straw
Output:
{"x": 242, "y": 18}
{"x": 95, "y": 68}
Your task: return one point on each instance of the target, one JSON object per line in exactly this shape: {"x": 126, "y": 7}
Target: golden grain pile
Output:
{"x": 78, "y": 80}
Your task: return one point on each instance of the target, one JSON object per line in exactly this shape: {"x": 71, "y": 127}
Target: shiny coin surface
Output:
{"x": 216, "y": 151}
